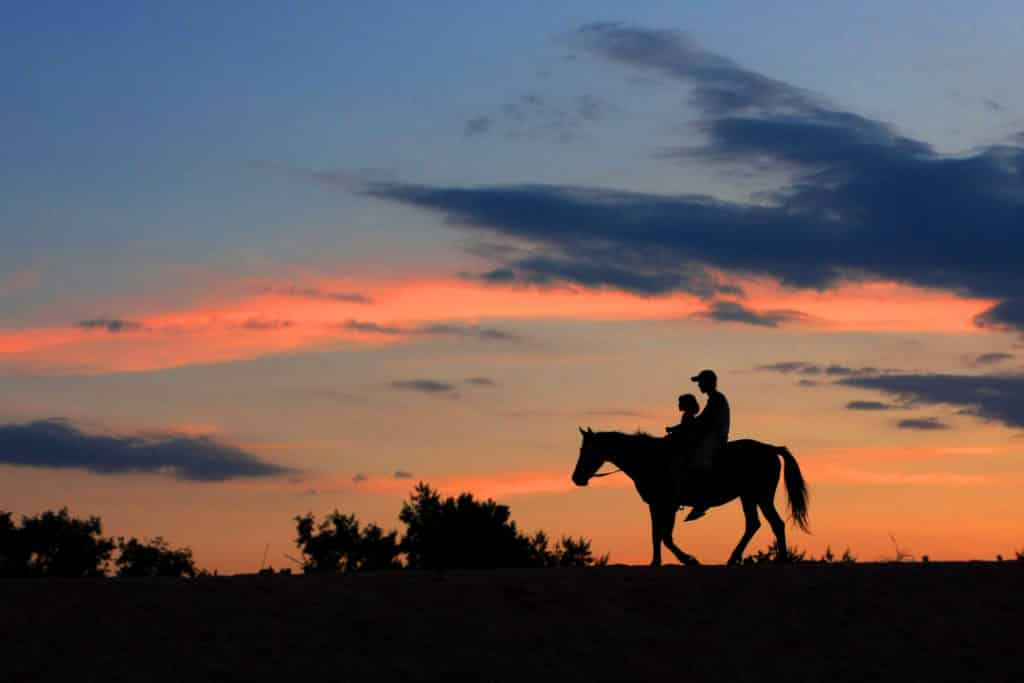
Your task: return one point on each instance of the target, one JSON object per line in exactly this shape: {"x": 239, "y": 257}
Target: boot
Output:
{"x": 696, "y": 512}
{"x": 699, "y": 508}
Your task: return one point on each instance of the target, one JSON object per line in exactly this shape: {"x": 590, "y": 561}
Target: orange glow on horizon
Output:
{"x": 251, "y": 325}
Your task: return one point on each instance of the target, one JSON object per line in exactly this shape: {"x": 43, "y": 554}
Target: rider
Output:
{"x": 681, "y": 436}
{"x": 711, "y": 431}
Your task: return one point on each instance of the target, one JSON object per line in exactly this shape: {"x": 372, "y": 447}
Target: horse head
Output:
{"x": 589, "y": 461}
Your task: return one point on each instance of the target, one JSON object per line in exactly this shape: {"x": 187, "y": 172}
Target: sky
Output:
{"x": 260, "y": 262}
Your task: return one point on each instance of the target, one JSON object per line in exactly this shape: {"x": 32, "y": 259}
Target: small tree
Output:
{"x": 56, "y": 544}
{"x": 338, "y": 544}
{"x": 154, "y": 558}
{"x": 13, "y": 555}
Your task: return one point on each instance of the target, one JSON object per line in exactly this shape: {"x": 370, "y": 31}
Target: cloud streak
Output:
{"x": 111, "y": 325}
{"x": 995, "y": 398}
{"x": 58, "y": 444}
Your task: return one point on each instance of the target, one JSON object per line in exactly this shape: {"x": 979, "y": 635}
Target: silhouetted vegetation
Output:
{"x": 465, "y": 533}
{"x": 53, "y": 544}
{"x": 153, "y": 558}
{"x": 338, "y": 544}
{"x": 458, "y": 532}
{"x": 794, "y": 554}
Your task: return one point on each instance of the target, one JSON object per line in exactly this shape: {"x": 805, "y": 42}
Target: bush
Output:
{"x": 155, "y": 558}
{"x": 338, "y": 544}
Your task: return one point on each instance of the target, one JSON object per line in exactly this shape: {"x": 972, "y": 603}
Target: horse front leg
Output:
{"x": 668, "y": 526}
{"x": 655, "y": 536}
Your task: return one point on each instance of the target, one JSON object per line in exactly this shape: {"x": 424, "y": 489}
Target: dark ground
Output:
{"x": 905, "y": 622}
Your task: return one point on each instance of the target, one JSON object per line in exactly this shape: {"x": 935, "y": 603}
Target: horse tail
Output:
{"x": 796, "y": 488}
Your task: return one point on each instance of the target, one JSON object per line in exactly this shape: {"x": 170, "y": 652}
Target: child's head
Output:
{"x": 688, "y": 404}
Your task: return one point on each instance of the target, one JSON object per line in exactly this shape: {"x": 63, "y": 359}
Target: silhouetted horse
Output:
{"x": 746, "y": 469}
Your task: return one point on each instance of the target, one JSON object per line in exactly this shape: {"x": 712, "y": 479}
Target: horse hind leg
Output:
{"x": 778, "y": 526}
{"x": 753, "y": 524}
{"x": 668, "y": 527}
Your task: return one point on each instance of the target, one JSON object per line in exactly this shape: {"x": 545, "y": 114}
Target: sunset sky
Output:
{"x": 259, "y": 262}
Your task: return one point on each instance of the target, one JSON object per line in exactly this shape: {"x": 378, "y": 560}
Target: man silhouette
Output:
{"x": 711, "y": 432}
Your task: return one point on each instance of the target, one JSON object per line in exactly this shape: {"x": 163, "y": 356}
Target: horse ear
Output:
{"x": 582, "y": 432}
{"x": 589, "y": 430}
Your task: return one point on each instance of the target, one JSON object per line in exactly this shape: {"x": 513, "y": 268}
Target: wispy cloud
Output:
{"x": 318, "y": 294}
{"x": 58, "y": 444}
{"x": 735, "y": 312}
{"x": 540, "y": 116}
{"x": 259, "y": 324}
{"x": 806, "y": 368}
{"x": 987, "y": 359}
{"x": 112, "y": 325}
{"x": 432, "y": 329}
{"x": 426, "y": 386}
{"x": 868, "y": 405}
{"x": 925, "y": 424}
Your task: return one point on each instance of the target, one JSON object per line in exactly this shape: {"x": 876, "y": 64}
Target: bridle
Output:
{"x": 605, "y": 474}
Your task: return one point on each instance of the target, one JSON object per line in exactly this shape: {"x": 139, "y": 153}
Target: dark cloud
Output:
{"x": 481, "y": 381}
{"x": 403, "y": 474}
{"x": 359, "y": 477}
{"x": 315, "y": 293}
{"x": 868, "y": 405}
{"x": 997, "y": 398}
{"x": 262, "y": 324}
{"x": 434, "y": 329}
{"x": 58, "y": 444}
{"x": 427, "y": 386}
{"x": 112, "y": 325}
{"x": 733, "y": 312}
{"x": 922, "y": 424}
{"x": 863, "y": 201}
{"x": 807, "y": 383}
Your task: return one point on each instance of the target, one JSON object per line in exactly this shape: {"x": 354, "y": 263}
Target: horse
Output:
{"x": 744, "y": 469}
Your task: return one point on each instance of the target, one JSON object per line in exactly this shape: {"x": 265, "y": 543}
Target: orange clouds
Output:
{"x": 266, "y": 320}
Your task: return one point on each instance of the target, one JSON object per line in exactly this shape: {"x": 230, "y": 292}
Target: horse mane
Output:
{"x": 642, "y": 437}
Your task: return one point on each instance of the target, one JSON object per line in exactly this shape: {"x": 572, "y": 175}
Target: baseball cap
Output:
{"x": 705, "y": 374}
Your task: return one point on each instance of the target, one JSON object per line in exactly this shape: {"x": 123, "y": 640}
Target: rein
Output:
{"x": 606, "y": 474}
